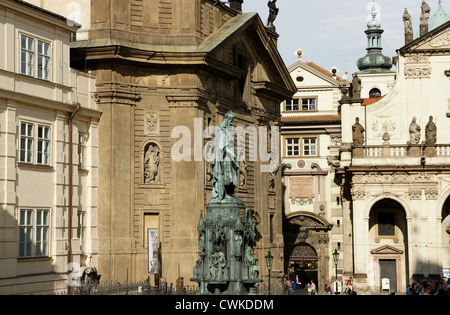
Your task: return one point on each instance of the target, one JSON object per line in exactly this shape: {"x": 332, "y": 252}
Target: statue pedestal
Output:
{"x": 226, "y": 241}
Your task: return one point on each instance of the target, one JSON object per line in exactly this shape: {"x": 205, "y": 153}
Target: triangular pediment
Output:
{"x": 246, "y": 32}
{"x": 386, "y": 250}
{"x": 313, "y": 75}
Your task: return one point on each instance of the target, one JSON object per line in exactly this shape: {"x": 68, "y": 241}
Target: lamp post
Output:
{"x": 269, "y": 261}
{"x": 335, "y": 259}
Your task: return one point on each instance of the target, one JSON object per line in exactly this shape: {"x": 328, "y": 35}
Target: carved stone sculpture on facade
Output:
{"x": 424, "y": 18}
{"x": 408, "y": 27}
{"x": 356, "y": 87}
{"x": 358, "y": 133}
{"x": 414, "y": 132}
{"x": 151, "y": 163}
{"x": 430, "y": 132}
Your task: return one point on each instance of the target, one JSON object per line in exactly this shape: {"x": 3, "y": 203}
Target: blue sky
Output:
{"x": 331, "y": 32}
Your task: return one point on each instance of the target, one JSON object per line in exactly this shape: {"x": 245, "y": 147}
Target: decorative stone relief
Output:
{"x": 336, "y": 139}
{"x": 151, "y": 123}
{"x": 416, "y": 72}
{"x": 358, "y": 193}
{"x": 415, "y": 193}
{"x": 395, "y": 178}
{"x": 443, "y": 40}
{"x": 431, "y": 193}
{"x": 381, "y": 127}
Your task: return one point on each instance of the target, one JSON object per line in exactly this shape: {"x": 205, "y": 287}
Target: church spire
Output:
{"x": 374, "y": 61}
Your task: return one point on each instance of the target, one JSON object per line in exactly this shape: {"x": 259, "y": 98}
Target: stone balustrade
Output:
{"x": 399, "y": 154}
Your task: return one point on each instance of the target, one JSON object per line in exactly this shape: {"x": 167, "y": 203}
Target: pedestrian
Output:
{"x": 293, "y": 285}
{"x": 414, "y": 290}
{"x": 313, "y": 288}
{"x": 309, "y": 289}
{"x": 328, "y": 288}
{"x": 297, "y": 282}
{"x": 350, "y": 284}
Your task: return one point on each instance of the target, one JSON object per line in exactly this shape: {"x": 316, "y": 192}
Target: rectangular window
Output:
{"x": 43, "y": 60}
{"x": 292, "y": 147}
{"x": 31, "y": 141}
{"x": 82, "y": 148}
{"x": 271, "y": 232}
{"x": 308, "y": 104}
{"x": 26, "y": 55}
{"x": 26, "y": 142}
{"x": 25, "y": 232}
{"x": 386, "y": 224}
{"x": 34, "y": 231}
{"x": 292, "y": 105}
{"x": 81, "y": 231}
{"x": 43, "y": 145}
{"x": 35, "y": 57}
{"x": 309, "y": 146}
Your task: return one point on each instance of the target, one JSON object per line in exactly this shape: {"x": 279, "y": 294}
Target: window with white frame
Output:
{"x": 81, "y": 230}
{"x": 43, "y": 145}
{"x": 34, "y": 232}
{"x": 309, "y": 104}
{"x": 35, "y": 57}
{"x": 82, "y": 149}
{"x": 292, "y": 105}
{"x": 31, "y": 141}
{"x": 309, "y": 146}
{"x": 292, "y": 147}
{"x": 26, "y": 142}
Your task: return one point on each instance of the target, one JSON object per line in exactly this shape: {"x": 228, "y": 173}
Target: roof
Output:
{"x": 369, "y": 101}
{"x": 46, "y": 12}
{"x": 311, "y": 119}
{"x": 323, "y": 71}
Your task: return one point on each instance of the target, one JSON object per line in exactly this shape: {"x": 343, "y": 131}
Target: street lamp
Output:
{"x": 336, "y": 259}
{"x": 269, "y": 261}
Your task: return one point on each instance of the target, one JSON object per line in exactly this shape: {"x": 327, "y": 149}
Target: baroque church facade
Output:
{"x": 394, "y": 169}
{"x": 166, "y": 71}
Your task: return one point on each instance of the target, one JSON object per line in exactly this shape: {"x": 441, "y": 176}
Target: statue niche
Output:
{"x": 152, "y": 159}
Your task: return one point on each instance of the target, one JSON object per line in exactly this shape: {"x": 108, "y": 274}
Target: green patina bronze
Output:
{"x": 226, "y": 232}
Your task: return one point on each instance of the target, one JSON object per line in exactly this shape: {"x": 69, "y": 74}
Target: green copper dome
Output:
{"x": 439, "y": 18}
{"x": 374, "y": 61}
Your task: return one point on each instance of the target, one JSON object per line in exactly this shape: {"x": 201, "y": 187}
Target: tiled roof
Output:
{"x": 323, "y": 71}
{"x": 369, "y": 101}
{"x": 311, "y": 119}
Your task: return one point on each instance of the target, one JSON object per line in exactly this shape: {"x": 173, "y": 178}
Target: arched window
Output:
{"x": 374, "y": 93}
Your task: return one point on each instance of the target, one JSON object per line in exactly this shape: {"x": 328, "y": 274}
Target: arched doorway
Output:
{"x": 388, "y": 244}
{"x": 307, "y": 248}
{"x": 303, "y": 262}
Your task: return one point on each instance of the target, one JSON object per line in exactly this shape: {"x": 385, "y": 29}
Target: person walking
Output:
{"x": 350, "y": 285}
{"x": 328, "y": 288}
{"x": 313, "y": 288}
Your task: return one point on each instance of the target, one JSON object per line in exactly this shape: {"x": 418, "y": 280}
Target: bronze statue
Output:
{"x": 273, "y": 13}
{"x": 224, "y": 162}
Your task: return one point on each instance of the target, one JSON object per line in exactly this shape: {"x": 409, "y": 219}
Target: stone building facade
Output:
{"x": 310, "y": 142}
{"x": 165, "y": 71}
{"x": 395, "y": 183}
{"x": 48, "y": 154}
